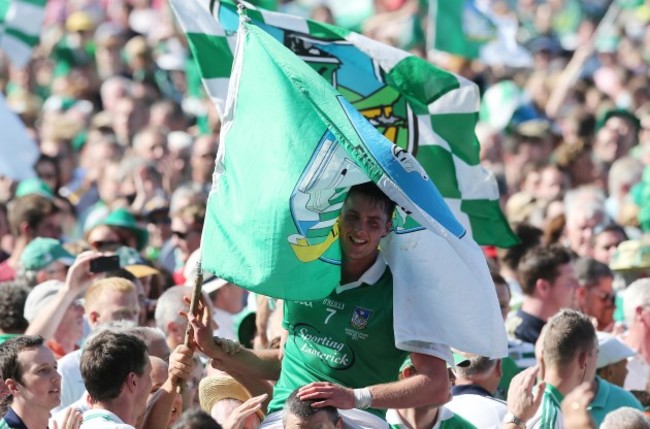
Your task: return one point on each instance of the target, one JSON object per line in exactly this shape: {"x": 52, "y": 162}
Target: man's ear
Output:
{"x": 12, "y": 386}
{"x": 339, "y": 423}
{"x": 542, "y": 287}
{"x": 25, "y": 229}
{"x": 389, "y": 227}
{"x": 93, "y": 318}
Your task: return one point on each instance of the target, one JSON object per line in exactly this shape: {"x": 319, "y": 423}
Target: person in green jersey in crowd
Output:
{"x": 569, "y": 354}
{"x": 340, "y": 351}
{"x": 429, "y": 416}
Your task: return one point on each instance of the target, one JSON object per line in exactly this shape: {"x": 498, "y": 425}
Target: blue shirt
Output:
{"x": 11, "y": 421}
{"x": 608, "y": 398}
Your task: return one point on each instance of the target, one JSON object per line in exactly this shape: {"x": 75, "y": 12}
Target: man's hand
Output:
{"x": 327, "y": 394}
{"x": 238, "y": 417}
{"x": 521, "y": 400}
{"x": 574, "y": 407}
{"x": 181, "y": 363}
{"x": 72, "y": 420}
{"x": 213, "y": 347}
{"x": 79, "y": 277}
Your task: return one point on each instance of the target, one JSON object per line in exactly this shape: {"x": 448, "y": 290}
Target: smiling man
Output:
{"x": 29, "y": 371}
{"x": 340, "y": 351}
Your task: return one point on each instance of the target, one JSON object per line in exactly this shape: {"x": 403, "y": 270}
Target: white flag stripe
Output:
{"x": 386, "y": 56}
{"x": 16, "y": 49}
{"x": 462, "y": 100}
{"x": 288, "y": 22}
{"x": 428, "y": 137}
{"x": 25, "y": 17}
{"x": 475, "y": 182}
{"x": 194, "y": 17}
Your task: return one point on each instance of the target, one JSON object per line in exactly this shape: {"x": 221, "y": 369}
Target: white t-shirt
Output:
{"x": 638, "y": 373}
{"x": 482, "y": 411}
{"x": 102, "y": 419}
{"x": 226, "y": 324}
{"x": 446, "y": 418}
{"x": 72, "y": 385}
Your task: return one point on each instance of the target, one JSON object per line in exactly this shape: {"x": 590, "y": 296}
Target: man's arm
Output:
{"x": 77, "y": 281}
{"x": 430, "y": 386}
{"x": 263, "y": 364}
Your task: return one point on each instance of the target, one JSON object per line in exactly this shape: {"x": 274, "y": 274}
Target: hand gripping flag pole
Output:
{"x": 194, "y": 309}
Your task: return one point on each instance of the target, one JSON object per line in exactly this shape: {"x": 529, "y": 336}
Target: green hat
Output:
{"x": 41, "y": 252}
{"x": 134, "y": 263}
{"x": 459, "y": 360}
{"x": 124, "y": 219}
{"x": 34, "y": 186}
{"x": 620, "y": 113}
{"x": 245, "y": 327}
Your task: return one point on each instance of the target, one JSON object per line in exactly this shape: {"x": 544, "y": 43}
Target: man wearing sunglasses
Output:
{"x": 595, "y": 295}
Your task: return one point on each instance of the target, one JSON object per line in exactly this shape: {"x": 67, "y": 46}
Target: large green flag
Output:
{"x": 423, "y": 109}
{"x": 20, "y": 28}
{"x": 291, "y": 148}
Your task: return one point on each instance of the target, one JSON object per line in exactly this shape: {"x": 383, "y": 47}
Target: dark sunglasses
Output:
{"x": 605, "y": 296}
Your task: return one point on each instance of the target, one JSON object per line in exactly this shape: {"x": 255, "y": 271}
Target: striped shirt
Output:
{"x": 549, "y": 415}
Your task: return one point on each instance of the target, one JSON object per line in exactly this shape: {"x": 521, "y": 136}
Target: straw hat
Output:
{"x": 216, "y": 388}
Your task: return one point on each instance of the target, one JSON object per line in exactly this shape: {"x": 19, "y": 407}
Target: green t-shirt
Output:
{"x": 610, "y": 397}
{"x": 549, "y": 414}
{"x": 346, "y": 338}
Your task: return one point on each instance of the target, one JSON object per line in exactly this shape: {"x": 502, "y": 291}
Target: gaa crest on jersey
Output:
{"x": 360, "y": 317}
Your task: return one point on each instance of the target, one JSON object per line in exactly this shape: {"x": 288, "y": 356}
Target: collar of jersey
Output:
{"x": 370, "y": 277}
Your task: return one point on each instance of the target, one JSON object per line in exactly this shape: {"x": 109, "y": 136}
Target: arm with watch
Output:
{"x": 430, "y": 386}
{"x": 524, "y": 398}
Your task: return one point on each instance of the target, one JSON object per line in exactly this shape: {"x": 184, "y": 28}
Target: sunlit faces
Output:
{"x": 40, "y": 386}
{"x": 118, "y": 305}
{"x": 363, "y": 222}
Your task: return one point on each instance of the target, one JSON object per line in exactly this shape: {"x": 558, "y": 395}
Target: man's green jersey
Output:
{"x": 549, "y": 414}
{"x": 346, "y": 338}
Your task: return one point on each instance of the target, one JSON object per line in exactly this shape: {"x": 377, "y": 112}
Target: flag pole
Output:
{"x": 194, "y": 308}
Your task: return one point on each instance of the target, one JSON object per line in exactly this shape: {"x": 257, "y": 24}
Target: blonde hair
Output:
{"x": 94, "y": 292}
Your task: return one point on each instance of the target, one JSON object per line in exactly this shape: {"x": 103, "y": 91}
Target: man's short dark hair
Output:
{"x": 196, "y": 419}
{"x": 107, "y": 360}
{"x": 541, "y": 263}
{"x": 529, "y": 238}
{"x": 13, "y": 296}
{"x": 589, "y": 272}
{"x": 304, "y": 409}
{"x": 371, "y": 191}
{"x": 567, "y": 333}
{"x": 478, "y": 365}
{"x": 32, "y": 209}
{"x": 9, "y": 365}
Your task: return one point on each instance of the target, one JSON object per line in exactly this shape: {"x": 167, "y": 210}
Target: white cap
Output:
{"x": 611, "y": 350}
{"x": 40, "y": 297}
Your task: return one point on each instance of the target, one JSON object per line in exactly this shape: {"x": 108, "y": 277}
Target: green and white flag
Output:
{"x": 423, "y": 109}
{"x": 291, "y": 147}
{"x": 21, "y": 22}
{"x": 460, "y": 27}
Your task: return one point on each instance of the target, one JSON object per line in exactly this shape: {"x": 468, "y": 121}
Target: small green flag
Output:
{"x": 460, "y": 27}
